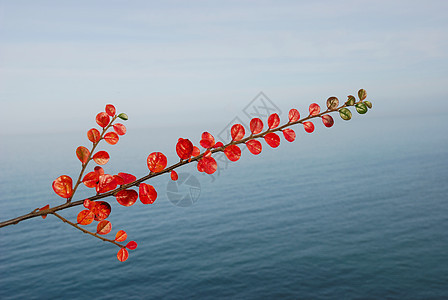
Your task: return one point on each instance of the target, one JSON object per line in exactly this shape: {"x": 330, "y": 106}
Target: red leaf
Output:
{"x": 83, "y": 154}
{"x": 110, "y": 110}
{"x": 314, "y": 109}
{"x": 126, "y": 197}
{"x": 100, "y": 209}
{"x": 174, "y": 175}
{"x": 196, "y": 151}
{"x": 44, "y": 208}
{"x": 118, "y": 180}
{"x": 272, "y": 139}
{"x": 254, "y": 146}
{"x": 102, "y": 119}
{"x": 132, "y": 245}
{"x": 210, "y": 165}
{"x": 184, "y": 148}
{"x": 87, "y": 203}
{"x": 111, "y": 138}
{"x": 256, "y": 125}
{"x": 127, "y": 178}
{"x": 332, "y": 103}
{"x": 121, "y": 236}
{"x": 106, "y": 183}
{"x": 273, "y": 121}
{"x": 207, "y": 153}
{"x": 207, "y": 140}
{"x": 98, "y": 170}
{"x": 93, "y": 135}
{"x": 233, "y": 152}
{"x": 294, "y": 115}
{"x": 156, "y": 162}
{"x": 289, "y": 134}
{"x": 120, "y": 129}
{"x": 147, "y": 193}
{"x": 201, "y": 166}
{"x": 327, "y": 120}
{"x": 85, "y": 217}
{"x": 101, "y": 157}
{"x": 237, "y": 132}
{"x": 218, "y": 144}
{"x": 122, "y": 254}
{"x": 309, "y": 126}
{"x": 104, "y": 227}
{"x": 63, "y": 186}
{"x": 91, "y": 179}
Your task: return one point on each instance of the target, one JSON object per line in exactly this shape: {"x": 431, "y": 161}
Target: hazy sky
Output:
{"x": 194, "y": 62}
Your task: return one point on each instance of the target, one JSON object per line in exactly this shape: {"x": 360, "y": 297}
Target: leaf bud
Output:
{"x": 123, "y": 116}
{"x": 351, "y": 101}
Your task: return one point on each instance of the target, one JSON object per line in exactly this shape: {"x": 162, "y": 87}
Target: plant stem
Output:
{"x": 86, "y": 231}
{"x": 69, "y": 203}
{"x": 90, "y": 158}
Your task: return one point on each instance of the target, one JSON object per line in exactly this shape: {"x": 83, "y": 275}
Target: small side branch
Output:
{"x": 69, "y": 203}
{"x": 86, "y": 231}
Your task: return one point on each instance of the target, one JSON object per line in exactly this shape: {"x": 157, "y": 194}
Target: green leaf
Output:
{"x": 351, "y": 101}
{"x": 123, "y": 116}
{"x": 362, "y": 94}
{"x": 345, "y": 114}
{"x": 368, "y": 103}
{"x": 361, "y": 108}
{"x": 332, "y": 103}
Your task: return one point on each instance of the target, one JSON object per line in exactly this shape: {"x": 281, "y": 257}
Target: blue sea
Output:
{"x": 358, "y": 211}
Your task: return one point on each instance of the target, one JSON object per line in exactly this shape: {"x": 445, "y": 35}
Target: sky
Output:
{"x": 195, "y": 63}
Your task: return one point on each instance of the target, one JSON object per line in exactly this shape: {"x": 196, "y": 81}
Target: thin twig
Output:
{"x": 69, "y": 204}
{"x": 84, "y": 165}
{"x": 86, "y": 231}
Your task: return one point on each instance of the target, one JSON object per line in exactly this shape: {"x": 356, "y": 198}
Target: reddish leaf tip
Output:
{"x": 272, "y": 139}
{"x": 289, "y": 134}
{"x": 184, "y": 148}
{"x": 122, "y": 254}
{"x": 102, "y": 119}
{"x": 126, "y": 197}
{"x": 44, "y": 208}
{"x": 132, "y": 245}
{"x": 327, "y": 120}
{"x": 63, "y": 186}
{"x": 314, "y": 109}
{"x": 207, "y": 140}
{"x": 110, "y": 110}
{"x": 156, "y": 162}
{"x": 273, "y": 121}
{"x": 104, "y": 227}
{"x": 254, "y": 146}
{"x": 111, "y": 138}
{"x": 147, "y": 193}
{"x": 293, "y": 115}
{"x": 233, "y": 152}
{"x": 85, "y": 217}
{"x": 121, "y": 236}
{"x": 309, "y": 127}
{"x": 101, "y": 157}
{"x": 256, "y": 125}
{"x": 237, "y": 132}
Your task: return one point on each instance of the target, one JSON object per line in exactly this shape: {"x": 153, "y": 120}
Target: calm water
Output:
{"x": 355, "y": 212}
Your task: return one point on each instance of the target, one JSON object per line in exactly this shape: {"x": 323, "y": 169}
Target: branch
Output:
{"x": 86, "y": 231}
{"x": 89, "y": 158}
{"x": 69, "y": 203}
